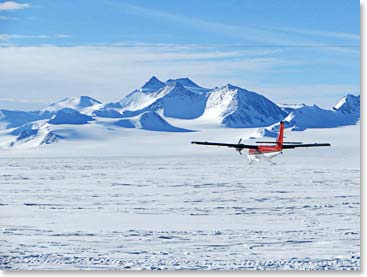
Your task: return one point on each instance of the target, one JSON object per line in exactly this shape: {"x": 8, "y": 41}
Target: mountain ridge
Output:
{"x": 152, "y": 106}
{"x": 236, "y": 107}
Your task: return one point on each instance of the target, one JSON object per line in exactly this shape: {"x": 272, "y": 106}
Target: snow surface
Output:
{"x": 151, "y": 200}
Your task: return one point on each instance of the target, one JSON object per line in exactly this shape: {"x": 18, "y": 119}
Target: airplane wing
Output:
{"x": 274, "y": 142}
{"x": 292, "y": 146}
{"x": 232, "y": 145}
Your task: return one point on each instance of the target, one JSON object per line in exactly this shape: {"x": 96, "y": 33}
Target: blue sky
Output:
{"x": 288, "y": 50}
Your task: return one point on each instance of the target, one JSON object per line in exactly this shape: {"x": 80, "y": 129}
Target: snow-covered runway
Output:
{"x": 206, "y": 210}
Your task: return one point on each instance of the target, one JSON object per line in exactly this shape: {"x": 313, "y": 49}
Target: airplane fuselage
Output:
{"x": 264, "y": 149}
{"x": 261, "y": 156}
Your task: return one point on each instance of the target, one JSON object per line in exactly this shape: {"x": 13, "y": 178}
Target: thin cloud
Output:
{"x": 3, "y": 17}
{"x": 11, "y": 6}
{"x": 62, "y": 36}
{"x": 109, "y": 73}
{"x": 112, "y": 72}
{"x": 248, "y": 35}
{"x": 19, "y": 100}
{"x": 321, "y": 33}
{"x": 9, "y": 37}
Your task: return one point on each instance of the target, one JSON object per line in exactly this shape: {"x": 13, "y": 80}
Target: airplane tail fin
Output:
{"x": 280, "y": 135}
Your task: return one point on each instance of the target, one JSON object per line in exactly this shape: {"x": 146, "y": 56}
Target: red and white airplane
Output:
{"x": 269, "y": 151}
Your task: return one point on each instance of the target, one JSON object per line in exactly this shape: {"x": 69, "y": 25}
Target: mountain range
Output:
{"x": 156, "y": 103}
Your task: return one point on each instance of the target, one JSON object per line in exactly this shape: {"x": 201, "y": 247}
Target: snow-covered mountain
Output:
{"x": 349, "y": 105}
{"x": 176, "y": 101}
{"x": 162, "y": 106}
{"x": 288, "y": 108}
{"x": 34, "y": 134}
{"x": 345, "y": 112}
{"x": 149, "y": 120}
{"x": 236, "y": 107}
{"x": 177, "y": 98}
{"x": 188, "y": 84}
{"x": 45, "y": 131}
{"x": 153, "y": 84}
{"x": 70, "y": 116}
{"x": 312, "y": 117}
{"x": 143, "y": 97}
{"x": 11, "y": 119}
{"x": 265, "y": 132}
{"x": 82, "y": 103}
{"x": 67, "y": 124}
{"x": 107, "y": 113}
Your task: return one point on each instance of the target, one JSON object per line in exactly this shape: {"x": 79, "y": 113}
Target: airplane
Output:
{"x": 256, "y": 152}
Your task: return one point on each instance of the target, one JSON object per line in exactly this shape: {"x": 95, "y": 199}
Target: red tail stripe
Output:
{"x": 280, "y": 135}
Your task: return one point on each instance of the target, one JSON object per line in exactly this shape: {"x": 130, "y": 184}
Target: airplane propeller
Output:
{"x": 239, "y": 149}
